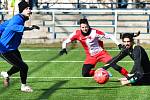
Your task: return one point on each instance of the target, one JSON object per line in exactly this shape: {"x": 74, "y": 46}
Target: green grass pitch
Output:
{"x": 55, "y": 77}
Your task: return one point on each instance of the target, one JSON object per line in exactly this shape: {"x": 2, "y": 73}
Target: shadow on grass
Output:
{"x": 92, "y": 87}
{"x": 2, "y": 90}
{"x": 12, "y": 83}
{"x": 51, "y": 90}
{"x": 43, "y": 64}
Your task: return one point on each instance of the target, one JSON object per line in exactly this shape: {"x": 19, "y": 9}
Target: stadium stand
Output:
{"x": 58, "y": 22}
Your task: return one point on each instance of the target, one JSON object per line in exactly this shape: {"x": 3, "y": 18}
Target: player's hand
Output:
{"x": 122, "y": 79}
{"x": 123, "y": 48}
{"x": 120, "y": 46}
{"x": 35, "y": 27}
{"x": 125, "y": 82}
{"x": 63, "y": 51}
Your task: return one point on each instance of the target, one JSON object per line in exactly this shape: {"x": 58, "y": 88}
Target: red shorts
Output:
{"x": 102, "y": 56}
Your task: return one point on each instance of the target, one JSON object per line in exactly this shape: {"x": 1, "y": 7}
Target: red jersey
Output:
{"x": 92, "y": 43}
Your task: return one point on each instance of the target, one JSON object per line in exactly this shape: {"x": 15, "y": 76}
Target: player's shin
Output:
{"x": 87, "y": 70}
{"x": 106, "y": 66}
{"x": 124, "y": 72}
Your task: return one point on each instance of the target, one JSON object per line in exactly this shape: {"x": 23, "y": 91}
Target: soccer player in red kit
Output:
{"x": 90, "y": 39}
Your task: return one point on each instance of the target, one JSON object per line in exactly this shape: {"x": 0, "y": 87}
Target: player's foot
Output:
{"x": 26, "y": 89}
{"x": 109, "y": 73}
{"x": 6, "y": 79}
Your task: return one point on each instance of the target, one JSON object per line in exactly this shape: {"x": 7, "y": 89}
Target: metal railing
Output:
{"x": 115, "y": 20}
{"x": 115, "y": 14}
{"x": 92, "y": 5}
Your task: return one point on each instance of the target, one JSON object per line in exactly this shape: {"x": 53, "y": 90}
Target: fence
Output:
{"x": 57, "y": 24}
{"x": 116, "y": 19}
{"x": 94, "y": 4}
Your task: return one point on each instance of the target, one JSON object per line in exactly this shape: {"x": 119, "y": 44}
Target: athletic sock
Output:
{"x": 91, "y": 73}
{"x": 124, "y": 72}
{"x": 23, "y": 85}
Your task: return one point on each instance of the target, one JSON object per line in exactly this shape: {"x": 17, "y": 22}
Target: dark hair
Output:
{"x": 22, "y": 5}
{"x": 84, "y": 21}
{"x": 130, "y": 35}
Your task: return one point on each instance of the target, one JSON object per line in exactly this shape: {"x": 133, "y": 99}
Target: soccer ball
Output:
{"x": 101, "y": 76}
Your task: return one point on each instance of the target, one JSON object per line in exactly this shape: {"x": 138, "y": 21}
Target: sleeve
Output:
{"x": 137, "y": 70}
{"x": 137, "y": 60}
{"x": 71, "y": 38}
{"x": 20, "y": 28}
{"x": 110, "y": 36}
{"x": 113, "y": 63}
{"x": 16, "y": 24}
{"x": 3, "y": 26}
{"x": 107, "y": 36}
{"x": 118, "y": 57}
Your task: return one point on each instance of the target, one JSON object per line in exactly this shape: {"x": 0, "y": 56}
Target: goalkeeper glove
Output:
{"x": 31, "y": 28}
{"x": 63, "y": 51}
{"x": 35, "y": 27}
{"x": 123, "y": 48}
{"x": 120, "y": 46}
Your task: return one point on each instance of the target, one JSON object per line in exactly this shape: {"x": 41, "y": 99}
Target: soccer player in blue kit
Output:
{"x": 11, "y": 35}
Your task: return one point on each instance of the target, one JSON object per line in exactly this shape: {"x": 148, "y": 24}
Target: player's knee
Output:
{"x": 24, "y": 67}
{"x": 86, "y": 70}
{"x": 85, "y": 74}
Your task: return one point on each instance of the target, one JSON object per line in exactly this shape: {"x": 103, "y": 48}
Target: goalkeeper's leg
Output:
{"x": 118, "y": 68}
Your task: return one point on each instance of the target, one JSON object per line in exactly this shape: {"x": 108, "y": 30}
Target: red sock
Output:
{"x": 124, "y": 72}
{"x": 91, "y": 73}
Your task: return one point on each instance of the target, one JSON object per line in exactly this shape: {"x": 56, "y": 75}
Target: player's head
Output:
{"x": 128, "y": 39}
{"x": 24, "y": 8}
{"x": 84, "y": 26}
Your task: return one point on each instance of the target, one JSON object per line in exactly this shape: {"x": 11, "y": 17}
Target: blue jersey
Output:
{"x": 12, "y": 35}
{"x": 3, "y": 26}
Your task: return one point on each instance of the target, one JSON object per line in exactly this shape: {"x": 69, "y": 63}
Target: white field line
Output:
{"x": 36, "y": 77}
{"x": 59, "y": 62}
{"x": 37, "y": 61}
{"x": 36, "y": 50}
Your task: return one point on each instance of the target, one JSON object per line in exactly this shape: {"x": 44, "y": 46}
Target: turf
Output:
{"x": 56, "y": 77}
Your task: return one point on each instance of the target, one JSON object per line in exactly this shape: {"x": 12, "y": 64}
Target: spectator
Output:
{"x": 122, "y": 3}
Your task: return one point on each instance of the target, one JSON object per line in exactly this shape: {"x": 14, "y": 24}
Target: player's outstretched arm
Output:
{"x": 120, "y": 46}
{"x": 64, "y": 46}
{"x": 63, "y": 51}
{"x": 31, "y": 28}
{"x": 35, "y": 27}
{"x": 113, "y": 38}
